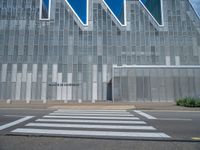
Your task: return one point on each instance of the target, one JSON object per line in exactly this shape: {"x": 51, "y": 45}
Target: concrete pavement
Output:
{"x": 97, "y": 105}
{"x": 52, "y": 143}
{"x": 181, "y": 125}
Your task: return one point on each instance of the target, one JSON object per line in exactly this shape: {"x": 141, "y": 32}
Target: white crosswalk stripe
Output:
{"x": 91, "y": 126}
{"x": 89, "y": 117}
{"x": 91, "y": 123}
{"x": 93, "y": 133}
{"x": 92, "y": 112}
{"x": 79, "y": 110}
{"x": 89, "y": 114}
{"x": 145, "y": 115}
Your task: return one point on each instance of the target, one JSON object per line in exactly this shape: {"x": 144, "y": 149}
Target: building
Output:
{"x": 148, "y": 52}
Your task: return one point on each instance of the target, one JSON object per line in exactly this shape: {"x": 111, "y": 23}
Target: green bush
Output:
{"x": 188, "y": 102}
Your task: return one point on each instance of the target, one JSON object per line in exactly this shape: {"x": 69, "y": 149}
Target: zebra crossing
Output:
{"x": 91, "y": 123}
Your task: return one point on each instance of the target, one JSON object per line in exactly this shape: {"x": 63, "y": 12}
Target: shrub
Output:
{"x": 188, "y": 102}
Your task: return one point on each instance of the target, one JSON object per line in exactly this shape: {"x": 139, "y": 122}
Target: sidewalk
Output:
{"x": 69, "y": 105}
{"x": 97, "y": 105}
{"x": 162, "y": 106}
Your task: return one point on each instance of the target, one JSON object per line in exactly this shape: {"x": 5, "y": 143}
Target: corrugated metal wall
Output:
{"x": 155, "y": 83}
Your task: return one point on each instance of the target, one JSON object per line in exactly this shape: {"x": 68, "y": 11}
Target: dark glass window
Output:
{"x": 154, "y": 7}
{"x": 45, "y": 8}
{"x": 117, "y": 9}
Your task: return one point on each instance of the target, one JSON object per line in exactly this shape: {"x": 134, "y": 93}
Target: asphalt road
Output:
{"x": 180, "y": 130}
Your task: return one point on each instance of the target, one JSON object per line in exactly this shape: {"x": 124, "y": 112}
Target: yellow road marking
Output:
{"x": 196, "y": 138}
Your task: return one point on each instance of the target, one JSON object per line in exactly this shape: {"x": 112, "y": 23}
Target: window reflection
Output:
{"x": 154, "y": 7}
{"x": 45, "y": 9}
{"x": 117, "y": 9}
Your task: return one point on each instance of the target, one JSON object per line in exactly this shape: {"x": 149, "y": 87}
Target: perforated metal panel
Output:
{"x": 14, "y": 73}
{"x": 39, "y": 52}
{"x": 4, "y": 73}
{"x": 154, "y": 83}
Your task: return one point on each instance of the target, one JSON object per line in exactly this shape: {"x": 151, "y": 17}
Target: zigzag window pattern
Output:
{"x": 155, "y": 9}
{"x": 118, "y": 9}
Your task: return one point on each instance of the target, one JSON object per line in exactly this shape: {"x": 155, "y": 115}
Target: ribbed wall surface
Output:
{"x": 58, "y": 60}
{"x": 155, "y": 83}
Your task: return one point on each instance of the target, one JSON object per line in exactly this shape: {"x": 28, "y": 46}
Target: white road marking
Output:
{"x": 91, "y": 126}
{"x": 90, "y": 112}
{"x": 80, "y": 114}
{"x": 15, "y": 122}
{"x": 174, "y": 119}
{"x": 91, "y": 121}
{"x": 89, "y": 117}
{"x": 92, "y": 133}
{"x": 94, "y": 110}
{"x": 14, "y": 116}
{"x": 196, "y": 138}
{"x": 145, "y": 115}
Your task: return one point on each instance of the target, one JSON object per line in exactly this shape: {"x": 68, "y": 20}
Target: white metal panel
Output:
{"x": 84, "y": 93}
{"x": 43, "y": 94}
{"x": 59, "y": 78}
{"x": 18, "y": 86}
{"x": 28, "y": 86}
{"x": 69, "y": 78}
{"x": 4, "y": 73}
{"x": 99, "y": 87}
{"x": 14, "y": 73}
{"x": 54, "y": 73}
{"x": 168, "y": 61}
{"x": 177, "y": 60}
{"x": 69, "y": 88}
{"x": 159, "y": 66}
{"x": 24, "y": 72}
{"x": 104, "y": 73}
{"x": 94, "y": 73}
{"x": 34, "y": 75}
{"x": 69, "y": 93}
{"x": 79, "y": 89}
{"x": 195, "y": 45}
{"x": 59, "y": 92}
{"x": 94, "y": 92}
{"x": 59, "y": 88}
{"x": 64, "y": 93}
{"x": 44, "y": 73}
{"x": 19, "y": 77}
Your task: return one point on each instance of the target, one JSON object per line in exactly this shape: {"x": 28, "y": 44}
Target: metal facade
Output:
{"x": 58, "y": 59}
{"x": 155, "y": 83}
